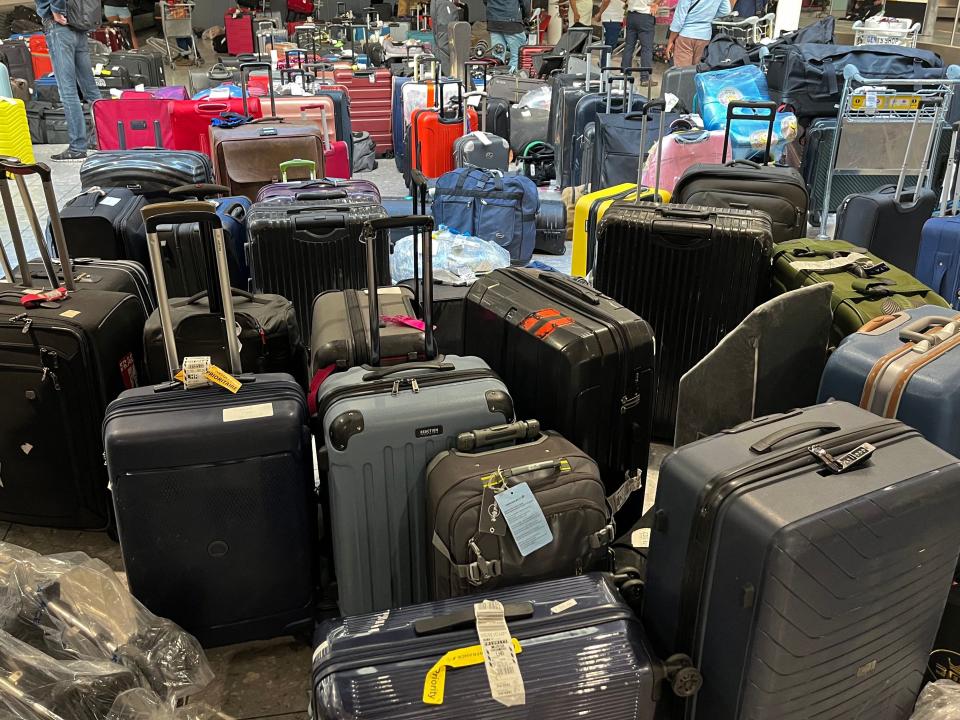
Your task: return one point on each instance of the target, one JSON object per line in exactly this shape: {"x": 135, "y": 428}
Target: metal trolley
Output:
{"x": 880, "y": 30}
{"x": 898, "y": 124}
{"x": 748, "y": 31}
{"x": 177, "y": 22}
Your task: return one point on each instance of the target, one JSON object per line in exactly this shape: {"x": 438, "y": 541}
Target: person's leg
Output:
{"x": 62, "y": 43}
{"x": 630, "y": 44}
{"x": 683, "y": 52}
{"x": 83, "y": 70}
{"x": 498, "y": 38}
{"x": 611, "y": 33}
{"x": 515, "y": 41}
{"x": 647, "y": 24}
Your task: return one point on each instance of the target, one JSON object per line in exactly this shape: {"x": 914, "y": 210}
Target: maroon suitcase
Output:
{"x": 370, "y": 93}
{"x": 238, "y": 24}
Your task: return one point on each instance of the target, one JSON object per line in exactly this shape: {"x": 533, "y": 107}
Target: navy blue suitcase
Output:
{"x": 396, "y": 123}
{"x": 938, "y": 263}
{"x": 583, "y": 653}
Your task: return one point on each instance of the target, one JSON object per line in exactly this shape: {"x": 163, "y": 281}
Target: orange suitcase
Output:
{"x": 434, "y": 131}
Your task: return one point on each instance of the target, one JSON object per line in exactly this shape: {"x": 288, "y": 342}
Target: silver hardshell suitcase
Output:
{"x": 480, "y": 148}
{"x": 381, "y": 427}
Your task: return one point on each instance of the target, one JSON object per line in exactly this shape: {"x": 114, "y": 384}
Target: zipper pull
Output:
{"x": 263, "y": 335}
{"x": 414, "y": 385}
{"x": 18, "y": 318}
{"x": 26, "y": 325}
{"x": 396, "y": 388}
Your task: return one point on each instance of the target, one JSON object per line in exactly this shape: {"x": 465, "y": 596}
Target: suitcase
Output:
{"x": 6, "y": 89}
{"x": 48, "y": 123}
{"x": 551, "y": 228}
{"x": 130, "y": 123}
{"x": 527, "y": 125}
{"x": 448, "y": 307}
{"x": 904, "y": 366}
{"x": 692, "y": 272}
{"x": 238, "y": 25}
{"x": 680, "y": 81}
{"x": 105, "y": 224}
{"x": 511, "y": 87}
{"x": 369, "y": 93}
{"x": 192, "y": 120}
{"x": 39, "y": 55}
{"x": 16, "y": 56}
{"x": 234, "y": 473}
{"x": 938, "y": 263}
{"x": 319, "y": 189}
{"x": 144, "y": 67}
{"x": 434, "y": 132}
{"x": 15, "y": 130}
{"x": 480, "y": 149}
{"x": 367, "y": 416}
{"x": 864, "y": 286}
{"x": 341, "y": 113}
{"x": 404, "y": 104}
{"x": 553, "y": 340}
{"x": 370, "y": 668}
{"x": 218, "y": 74}
{"x": 527, "y": 55}
{"x": 620, "y": 143}
{"x": 111, "y": 77}
{"x": 62, "y": 365}
{"x": 147, "y": 171}
{"x": 300, "y": 249}
{"x": 46, "y": 89}
{"x": 168, "y": 92}
{"x": 680, "y": 151}
{"x": 799, "y": 610}
{"x": 566, "y": 92}
{"x": 778, "y": 191}
{"x": 336, "y": 153}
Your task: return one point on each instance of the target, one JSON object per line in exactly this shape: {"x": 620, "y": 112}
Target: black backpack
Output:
{"x": 723, "y": 52}
{"x": 84, "y": 15}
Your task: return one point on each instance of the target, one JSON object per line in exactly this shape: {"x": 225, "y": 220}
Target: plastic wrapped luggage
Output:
{"x": 146, "y": 171}
{"x": 234, "y": 473}
{"x": 64, "y": 363}
{"x": 554, "y": 340}
{"x": 130, "y": 123}
{"x": 367, "y": 414}
{"x": 783, "y": 559}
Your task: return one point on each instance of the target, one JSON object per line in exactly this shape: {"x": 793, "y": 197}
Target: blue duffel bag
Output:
{"x": 491, "y": 206}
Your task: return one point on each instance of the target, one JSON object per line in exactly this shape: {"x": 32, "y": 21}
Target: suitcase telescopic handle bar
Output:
{"x": 629, "y": 82}
{"x": 173, "y": 213}
{"x": 245, "y": 70}
{"x": 419, "y": 61}
{"x": 644, "y": 118}
{"x": 762, "y": 112}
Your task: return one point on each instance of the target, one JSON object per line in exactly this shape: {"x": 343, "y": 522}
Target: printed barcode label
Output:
{"x": 499, "y": 656}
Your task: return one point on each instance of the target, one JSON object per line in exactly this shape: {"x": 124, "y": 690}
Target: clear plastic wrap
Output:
{"x": 537, "y": 98}
{"x": 457, "y": 258}
{"x": 74, "y": 607}
{"x": 142, "y": 704}
{"x": 939, "y": 700}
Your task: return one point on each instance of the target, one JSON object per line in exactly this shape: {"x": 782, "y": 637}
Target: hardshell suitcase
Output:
{"x": 787, "y": 582}
{"x": 370, "y": 94}
{"x": 146, "y": 171}
{"x": 480, "y": 149}
{"x": 238, "y": 24}
{"x": 233, "y": 471}
{"x": 381, "y": 427}
{"x": 864, "y": 286}
{"x": 191, "y": 120}
{"x": 938, "y": 262}
{"x": 319, "y": 189}
{"x": 62, "y": 365}
{"x": 680, "y": 81}
{"x": 555, "y": 341}
{"x": 15, "y": 130}
{"x": 130, "y": 123}
{"x": 374, "y": 666}
{"x": 527, "y": 125}
{"x": 434, "y": 132}
{"x": 681, "y": 150}
{"x": 904, "y": 366}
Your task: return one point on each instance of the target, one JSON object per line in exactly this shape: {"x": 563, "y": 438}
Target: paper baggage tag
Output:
{"x": 435, "y": 682}
{"x": 831, "y": 264}
{"x": 194, "y": 371}
{"x": 618, "y": 499}
{"x": 116, "y": 94}
{"x": 499, "y": 655}
{"x": 525, "y": 518}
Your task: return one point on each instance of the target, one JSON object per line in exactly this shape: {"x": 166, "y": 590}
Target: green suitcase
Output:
{"x": 864, "y": 286}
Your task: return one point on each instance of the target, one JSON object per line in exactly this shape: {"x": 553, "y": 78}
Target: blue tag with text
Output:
{"x": 525, "y": 518}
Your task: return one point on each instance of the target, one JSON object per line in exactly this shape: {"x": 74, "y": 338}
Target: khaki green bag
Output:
{"x": 864, "y": 286}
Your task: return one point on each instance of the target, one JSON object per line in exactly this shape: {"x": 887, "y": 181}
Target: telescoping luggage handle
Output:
{"x": 245, "y": 70}
{"x": 604, "y": 50}
{"x": 204, "y": 214}
{"x": 770, "y": 116}
{"x": 481, "y": 110}
{"x": 425, "y": 60}
{"x": 20, "y": 172}
{"x": 645, "y": 111}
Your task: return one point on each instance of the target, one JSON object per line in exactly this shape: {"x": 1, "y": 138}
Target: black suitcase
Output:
{"x": 105, "y": 223}
{"x": 59, "y": 367}
{"x": 551, "y": 228}
{"x": 800, "y": 592}
{"x": 16, "y": 56}
{"x": 113, "y": 77}
{"x": 144, "y": 67}
{"x": 147, "y": 171}
{"x": 233, "y": 474}
{"x": 575, "y": 360}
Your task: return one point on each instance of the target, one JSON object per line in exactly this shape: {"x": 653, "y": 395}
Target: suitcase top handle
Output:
{"x": 519, "y": 431}
{"x": 199, "y": 191}
{"x": 431, "y": 366}
{"x": 463, "y": 619}
{"x": 914, "y": 331}
{"x": 767, "y": 444}
{"x": 770, "y": 116}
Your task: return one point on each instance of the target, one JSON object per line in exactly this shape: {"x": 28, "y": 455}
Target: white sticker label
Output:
{"x": 139, "y": 88}
{"x": 640, "y": 538}
{"x": 69, "y": 314}
{"x": 499, "y": 655}
{"x": 26, "y": 448}
{"x": 830, "y": 264}
{"x": 248, "y": 412}
{"x": 565, "y": 605}
{"x": 219, "y": 93}
{"x": 110, "y": 201}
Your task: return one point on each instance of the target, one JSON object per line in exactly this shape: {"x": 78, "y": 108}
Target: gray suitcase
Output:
{"x": 527, "y": 125}
{"x": 480, "y": 149}
{"x": 511, "y": 87}
{"x": 211, "y": 77}
{"x": 799, "y": 591}
{"x": 381, "y": 427}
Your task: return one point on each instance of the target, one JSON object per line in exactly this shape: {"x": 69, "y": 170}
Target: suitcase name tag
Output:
{"x": 838, "y": 263}
{"x": 525, "y": 518}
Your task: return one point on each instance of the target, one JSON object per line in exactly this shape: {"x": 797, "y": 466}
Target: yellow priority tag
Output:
{"x": 217, "y": 377}
{"x": 436, "y": 678}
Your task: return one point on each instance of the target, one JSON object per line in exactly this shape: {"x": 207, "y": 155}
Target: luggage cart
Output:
{"x": 876, "y": 105}
{"x": 880, "y": 30}
{"x": 749, "y": 31}
{"x": 177, "y": 22}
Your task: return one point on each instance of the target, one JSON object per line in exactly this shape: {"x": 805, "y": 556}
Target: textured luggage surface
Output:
{"x": 797, "y": 591}
{"x": 938, "y": 263}
{"x": 130, "y": 123}
{"x": 145, "y": 171}
{"x": 373, "y": 666}
{"x": 15, "y": 130}
{"x": 692, "y": 272}
{"x": 904, "y": 366}
{"x": 370, "y": 95}
{"x": 304, "y": 189}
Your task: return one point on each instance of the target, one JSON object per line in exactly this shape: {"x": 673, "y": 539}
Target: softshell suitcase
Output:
{"x": 105, "y": 224}
{"x": 16, "y": 56}
{"x": 374, "y": 666}
{"x": 234, "y": 473}
{"x": 146, "y": 171}
{"x": 130, "y": 123}
{"x": 238, "y": 25}
{"x": 938, "y": 262}
{"x": 796, "y": 590}
{"x": 905, "y": 366}
{"x": 318, "y": 189}
{"x": 381, "y": 427}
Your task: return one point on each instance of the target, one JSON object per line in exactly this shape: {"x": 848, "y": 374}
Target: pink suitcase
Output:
{"x": 129, "y": 123}
{"x": 680, "y": 151}
{"x": 170, "y": 92}
{"x": 336, "y": 154}
{"x": 370, "y": 93}
{"x": 192, "y": 119}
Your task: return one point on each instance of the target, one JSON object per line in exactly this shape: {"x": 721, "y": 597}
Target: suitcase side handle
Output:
{"x": 914, "y": 330}
{"x": 520, "y": 431}
{"x": 463, "y": 619}
{"x": 767, "y": 444}
{"x": 199, "y": 191}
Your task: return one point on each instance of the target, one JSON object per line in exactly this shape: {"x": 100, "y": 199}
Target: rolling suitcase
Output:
{"x": 553, "y": 340}
{"x": 778, "y": 191}
{"x": 167, "y": 92}
{"x": 680, "y": 81}
{"x": 783, "y": 559}
{"x": 16, "y": 56}
{"x": 692, "y": 272}
{"x": 369, "y": 92}
{"x": 238, "y": 25}
{"x": 319, "y": 189}
{"x": 904, "y": 366}
{"x": 527, "y": 125}
{"x": 144, "y": 67}
{"x": 62, "y": 364}
{"x": 938, "y": 261}
{"x": 336, "y": 153}
{"x": 105, "y": 224}
{"x": 434, "y": 132}
{"x": 480, "y": 149}
{"x": 192, "y": 120}
{"x": 565, "y": 658}
{"x": 15, "y": 130}
{"x": 511, "y": 87}
{"x": 147, "y": 172}
{"x": 680, "y": 151}
{"x": 551, "y": 228}
{"x": 211, "y": 77}
{"x": 131, "y": 123}
{"x": 864, "y": 286}
{"x": 384, "y": 425}
{"x": 234, "y": 475}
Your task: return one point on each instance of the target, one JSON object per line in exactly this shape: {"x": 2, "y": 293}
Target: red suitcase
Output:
{"x": 238, "y": 24}
{"x": 40, "y": 55}
{"x": 527, "y": 53}
{"x": 192, "y": 118}
{"x": 336, "y": 154}
{"x": 133, "y": 122}
{"x": 370, "y": 93}
{"x": 304, "y": 7}
{"x": 433, "y": 133}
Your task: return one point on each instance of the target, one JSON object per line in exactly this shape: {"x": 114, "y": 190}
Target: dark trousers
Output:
{"x": 640, "y": 28}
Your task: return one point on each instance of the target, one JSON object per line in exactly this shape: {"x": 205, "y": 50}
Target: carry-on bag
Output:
{"x": 551, "y": 228}
{"x": 317, "y": 189}
{"x": 233, "y": 472}
{"x": 149, "y": 172}
{"x": 145, "y": 67}
{"x": 938, "y": 261}
{"x": 16, "y": 56}
{"x": 692, "y": 272}
{"x": 783, "y": 561}
{"x": 905, "y": 366}
{"x": 211, "y": 77}
{"x": 336, "y": 153}
{"x": 511, "y": 87}
{"x": 130, "y": 123}
{"x": 434, "y": 132}
{"x": 192, "y": 119}
{"x": 864, "y": 286}
{"x": 480, "y": 148}
{"x": 680, "y": 81}
{"x": 64, "y": 360}
{"x": 15, "y": 133}
{"x": 381, "y": 427}
{"x": 554, "y": 340}
{"x": 776, "y": 190}
{"x": 238, "y": 25}
{"x": 576, "y": 640}
{"x": 106, "y": 224}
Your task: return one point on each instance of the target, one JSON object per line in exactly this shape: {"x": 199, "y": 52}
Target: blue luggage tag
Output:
{"x": 525, "y": 518}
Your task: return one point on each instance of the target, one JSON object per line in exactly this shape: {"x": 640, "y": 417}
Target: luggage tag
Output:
{"x": 198, "y": 371}
{"x": 525, "y": 518}
{"x": 499, "y": 654}
{"x": 492, "y": 521}
{"x": 435, "y": 681}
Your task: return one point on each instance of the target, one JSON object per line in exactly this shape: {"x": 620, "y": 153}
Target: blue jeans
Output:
{"x": 640, "y": 27}
{"x": 611, "y": 34}
{"x": 512, "y": 42}
{"x": 70, "y": 56}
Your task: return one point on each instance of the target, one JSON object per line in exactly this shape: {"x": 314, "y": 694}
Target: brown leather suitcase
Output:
{"x": 248, "y": 157}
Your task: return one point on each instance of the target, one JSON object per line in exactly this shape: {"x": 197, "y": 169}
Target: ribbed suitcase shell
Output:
{"x": 15, "y": 131}
{"x": 693, "y": 273}
{"x": 378, "y": 445}
{"x": 801, "y": 594}
{"x": 929, "y": 401}
{"x": 369, "y": 103}
{"x": 938, "y": 263}
{"x": 591, "y": 662}
{"x": 145, "y": 171}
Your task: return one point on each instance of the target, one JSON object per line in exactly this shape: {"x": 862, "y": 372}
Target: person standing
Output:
{"x": 70, "y": 56}
{"x": 641, "y": 24}
{"x": 443, "y": 13}
{"x": 580, "y": 12}
{"x": 122, "y": 14}
{"x": 506, "y": 21}
{"x": 610, "y": 17}
{"x": 691, "y": 29}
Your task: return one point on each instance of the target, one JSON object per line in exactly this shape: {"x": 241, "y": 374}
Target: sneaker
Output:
{"x": 69, "y": 154}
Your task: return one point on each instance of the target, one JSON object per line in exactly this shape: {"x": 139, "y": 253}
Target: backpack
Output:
{"x": 364, "y": 152}
{"x": 492, "y": 206}
{"x": 84, "y": 15}
{"x": 723, "y": 52}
